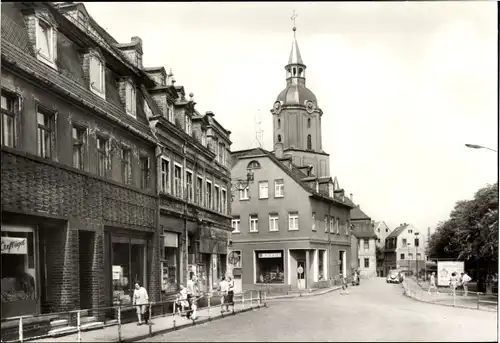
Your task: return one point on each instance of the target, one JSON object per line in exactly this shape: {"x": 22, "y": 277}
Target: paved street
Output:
{"x": 373, "y": 311}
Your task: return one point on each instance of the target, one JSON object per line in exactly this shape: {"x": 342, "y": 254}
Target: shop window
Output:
{"x": 19, "y": 275}
{"x": 321, "y": 265}
{"x": 269, "y": 267}
{"x": 170, "y": 260}
{"x": 128, "y": 267}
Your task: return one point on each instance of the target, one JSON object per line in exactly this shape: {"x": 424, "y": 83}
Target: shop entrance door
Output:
{"x": 86, "y": 249}
{"x": 301, "y": 274}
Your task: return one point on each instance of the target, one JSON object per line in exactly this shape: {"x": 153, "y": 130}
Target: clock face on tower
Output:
{"x": 310, "y": 106}
{"x": 277, "y": 106}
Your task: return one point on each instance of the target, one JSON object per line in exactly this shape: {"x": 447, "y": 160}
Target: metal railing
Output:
{"x": 448, "y": 297}
{"x": 244, "y": 301}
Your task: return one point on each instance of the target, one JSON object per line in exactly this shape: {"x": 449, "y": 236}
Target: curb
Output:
{"x": 335, "y": 288}
{"x": 187, "y": 325}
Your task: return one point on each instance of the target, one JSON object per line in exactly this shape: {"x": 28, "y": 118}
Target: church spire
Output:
{"x": 295, "y": 69}
{"x": 295, "y": 57}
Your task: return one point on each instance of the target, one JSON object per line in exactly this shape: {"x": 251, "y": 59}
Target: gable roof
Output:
{"x": 379, "y": 224}
{"x": 292, "y": 172}
{"x": 363, "y": 232}
{"x": 398, "y": 230}
{"x": 357, "y": 214}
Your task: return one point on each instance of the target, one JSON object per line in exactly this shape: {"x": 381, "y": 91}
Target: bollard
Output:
{"x": 477, "y": 300}
{"x": 150, "y": 319}
{"x": 79, "y": 334}
{"x": 209, "y": 297}
{"x": 119, "y": 323}
{"x": 21, "y": 329}
{"x": 173, "y": 314}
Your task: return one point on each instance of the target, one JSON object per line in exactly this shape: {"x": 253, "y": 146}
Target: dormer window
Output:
{"x": 170, "y": 113}
{"x": 189, "y": 125}
{"x": 97, "y": 76}
{"x": 130, "y": 99}
{"x": 330, "y": 190}
{"x": 204, "y": 138}
{"x": 45, "y": 47}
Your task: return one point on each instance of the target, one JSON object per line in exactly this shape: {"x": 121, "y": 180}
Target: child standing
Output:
{"x": 343, "y": 279}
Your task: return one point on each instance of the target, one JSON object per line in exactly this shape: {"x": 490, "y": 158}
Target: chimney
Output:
{"x": 350, "y": 197}
{"x": 136, "y": 40}
{"x": 278, "y": 150}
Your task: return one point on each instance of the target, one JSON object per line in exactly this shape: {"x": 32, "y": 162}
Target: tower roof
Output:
{"x": 295, "y": 57}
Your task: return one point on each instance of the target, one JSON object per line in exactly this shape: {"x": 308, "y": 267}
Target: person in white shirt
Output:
{"x": 141, "y": 299}
{"x": 223, "y": 290}
{"x": 230, "y": 292}
{"x": 432, "y": 283}
{"x": 465, "y": 283}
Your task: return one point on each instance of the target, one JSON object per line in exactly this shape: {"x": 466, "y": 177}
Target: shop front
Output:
{"x": 212, "y": 257}
{"x": 170, "y": 263}
{"x": 20, "y": 271}
{"x": 269, "y": 267}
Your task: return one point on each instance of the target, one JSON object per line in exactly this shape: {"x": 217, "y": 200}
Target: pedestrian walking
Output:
{"x": 191, "y": 295}
{"x": 223, "y": 291}
{"x": 141, "y": 299}
{"x": 343, "y": 279}
{"x": 465, "y": 283}
{"x": 453, "y": 283}
{"x": 182, "y": 302}
{"x": 230, "y": 292}
{"x": 432, "y": 283}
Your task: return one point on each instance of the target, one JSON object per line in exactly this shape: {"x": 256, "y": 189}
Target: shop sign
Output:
{"x": 117, "y": 272}
{"x": 269, "y": 255}
{"x": 170, "y": 239}
{"x": 14, "y": 245}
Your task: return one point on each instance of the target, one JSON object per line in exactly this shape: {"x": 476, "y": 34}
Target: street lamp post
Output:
{"x": 476, "y": 146}
{"x": 416, "y": 252}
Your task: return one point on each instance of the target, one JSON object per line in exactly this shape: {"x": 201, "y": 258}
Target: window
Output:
{"x": 178, "y": 181}
{"x": 402, "y": 256}
{"x": 378, "y": 240}
{"x": 45, "y": 133}
{"x": 102, "y": 156}
{"x": 130, "y": 99}
{"x": 170, "y": 113}
{"x": 308, "y": 123}
{"x": 416, "y": 242}
{"x": 347, "y": 226}
{"x": 254, "y": 223}
{"x": 404, "y": 242}
{"x": 269, "y": 267}
{"x": 330, "y": 190}
{"x": 309, "y": 142}
{"x": 235, "y": 224}
{"x": 126, "y": 167}
{"x": 216, "y": 198}
{"x": 263, "y": 190}
{"x": 293, "y": 221}
{"x": 332, "y": 230}
{"x": 378, "y": 230}
{"x": 79, "y": 141}
{"x": 45, "y": 42}
{"x": 165, "y": 175}
{"x": 410, "y": 231}
{"x": 366, "y": 244}
{"x": 199, "y": 190}
{"x": 189, "y": 185}
{"x": 337, "y": 225}
{"x": 8, "y": 119}
{"x": 169, "y": 265}
{"x": 410, "y": 256}
{"x": 279, "y": 123}
{"x": 244, "y": 194}
{"x": 253, "y": 165}
{"x": 273, "y": 222}
{"x": 223, "y": 201}
{"x": 367, "y": 263}
{"x": 326, "y": 223}
{"x": 208, "y": 197}
{"x": 279, "y": 188}
{"x": 97, "y": 75}
{"x": 313, "y": 221}
{"x": 279, "y": 138}
{"x": 188, "y": 124}
{"x": 144, "y": 161}
{"x": 204, "y": 138}
{"x": 419, "y": 256}
{"x": 386, "y": 230}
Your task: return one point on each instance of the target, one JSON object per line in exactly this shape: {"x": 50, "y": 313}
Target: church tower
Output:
{"x": 297, "y": 117}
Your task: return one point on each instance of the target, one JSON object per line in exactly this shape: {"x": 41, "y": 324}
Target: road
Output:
{"x": 373, "y": 311}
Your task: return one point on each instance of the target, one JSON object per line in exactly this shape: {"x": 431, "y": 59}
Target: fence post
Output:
{"x": 173, "y": 313}
{"x": 79, "y": 334}
{"x": 260, "y": 297}
{"x": 21, "y": 338}
{"x": 265, "y": 299}
{"x": 454, "y": 298}
{"x": 243, "y": 300}
{"x": 209, "y": 297}
{"x": 119, "y": 323}
{"x": 477, "y": 300}
{"x": 251, "y": 299}
{"x": 150, "y": 318}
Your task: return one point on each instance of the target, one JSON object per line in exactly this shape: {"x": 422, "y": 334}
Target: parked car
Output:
{"x": 394, "y": 276}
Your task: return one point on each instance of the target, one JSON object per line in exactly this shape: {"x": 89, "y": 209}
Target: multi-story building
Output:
{"x": 102, "y": 180}
{"x": 382, "y": 231}
{"x": 405, "y": 249}
{"x": 291, "y": 225}
{"x": 365, "y": 243}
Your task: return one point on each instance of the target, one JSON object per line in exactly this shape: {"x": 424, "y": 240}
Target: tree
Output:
{"x": 471, "y": 232}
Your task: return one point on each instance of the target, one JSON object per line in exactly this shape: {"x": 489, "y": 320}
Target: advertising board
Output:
{"x": 444, "y": 270}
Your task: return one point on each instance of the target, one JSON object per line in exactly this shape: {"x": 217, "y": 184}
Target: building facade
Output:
{"x": 366, "y": 242}
{"x": 100, "y": 177}
{"x": 291, "y": 226}
{"x": 405, "y": 249}
{"x": 382, "y": 230}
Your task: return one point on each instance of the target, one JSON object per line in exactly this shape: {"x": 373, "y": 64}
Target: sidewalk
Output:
{"x": 420, "y": 293}
{"x": 132, "y": 332}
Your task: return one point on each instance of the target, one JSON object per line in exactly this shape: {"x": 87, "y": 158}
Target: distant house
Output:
{"x": 366, "y": 242}
{"x": 405, "y": 249}
{"x": 382, "y": 231}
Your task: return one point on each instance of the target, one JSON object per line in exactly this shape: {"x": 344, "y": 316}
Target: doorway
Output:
{"x": 342, "y": 263}
{"x": 86, "y": 252}
{"x": 301, "y": 274}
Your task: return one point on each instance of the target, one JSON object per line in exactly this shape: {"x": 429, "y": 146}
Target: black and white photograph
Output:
{"x": 249, "y": 171}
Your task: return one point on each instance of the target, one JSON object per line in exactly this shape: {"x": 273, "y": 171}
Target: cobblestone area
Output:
{"x": 373, "y": 311}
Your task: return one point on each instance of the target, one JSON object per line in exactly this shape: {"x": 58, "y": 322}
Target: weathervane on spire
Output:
{"x": 293, "y": 18}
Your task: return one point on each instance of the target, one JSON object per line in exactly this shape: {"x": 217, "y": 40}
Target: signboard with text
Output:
{"x": 269, "y": 255}
{"x": 444, "y": 270}
{"x": 14, "y": 245}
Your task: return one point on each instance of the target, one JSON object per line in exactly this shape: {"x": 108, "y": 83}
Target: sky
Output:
{"x": 402, "y": 85}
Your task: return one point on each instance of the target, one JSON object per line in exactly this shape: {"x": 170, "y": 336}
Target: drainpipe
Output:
{"x": 184, "y": 196}
{"x": 330, "y": 242}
